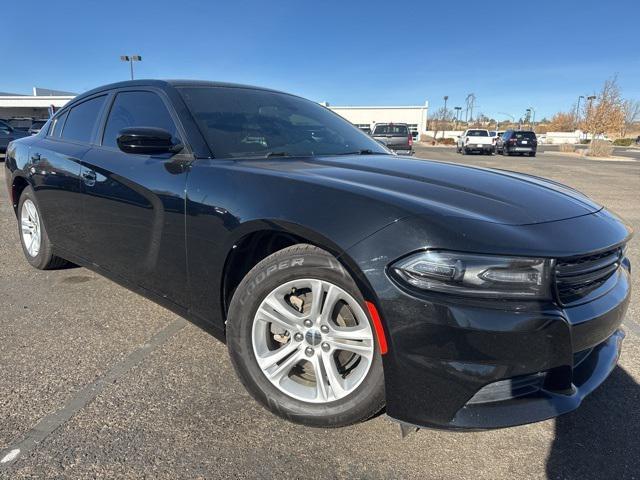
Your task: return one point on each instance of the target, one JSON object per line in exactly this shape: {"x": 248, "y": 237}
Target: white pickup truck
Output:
{"x": 475, "y": 140}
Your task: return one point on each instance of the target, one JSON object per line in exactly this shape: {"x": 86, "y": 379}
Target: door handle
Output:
{"x": 89, "y": 177}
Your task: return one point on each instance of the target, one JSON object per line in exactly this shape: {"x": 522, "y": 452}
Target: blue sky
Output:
{"x": 512, "y": 55}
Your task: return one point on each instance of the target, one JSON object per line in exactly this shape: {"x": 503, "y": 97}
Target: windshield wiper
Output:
{"x": 364, "y": 151}
{"x": 276, "y": 154}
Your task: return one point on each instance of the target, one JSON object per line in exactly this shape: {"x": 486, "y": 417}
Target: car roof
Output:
{"x": 165, "y": 84}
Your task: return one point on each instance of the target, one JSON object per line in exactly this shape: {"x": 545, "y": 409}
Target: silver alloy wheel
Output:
{"x": 30, "y": 225}
{"x": 312, "y": 340}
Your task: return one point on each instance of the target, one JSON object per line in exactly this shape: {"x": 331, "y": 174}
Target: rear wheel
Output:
{"x": 301, "y": 341}
{"x": 33, "y": 236}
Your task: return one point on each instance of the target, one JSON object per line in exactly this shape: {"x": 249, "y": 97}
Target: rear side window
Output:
{"x": 57, "y": 124}
{"x": 136, "y": 109}
{"x": 82, "y": 120}
{"x": 400, "y": 130}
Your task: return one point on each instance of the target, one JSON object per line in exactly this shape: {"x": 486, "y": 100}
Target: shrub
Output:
{"x": 624, "y": 142}
{"x": 585, "y": 141}
{"x": 567, "y": 147}
{"x": 600, "y": 148}
{"x": 446, "y": 141}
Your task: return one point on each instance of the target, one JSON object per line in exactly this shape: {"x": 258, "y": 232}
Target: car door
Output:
{"x": 134, "y": 204}
{"x": 54, "y": 170}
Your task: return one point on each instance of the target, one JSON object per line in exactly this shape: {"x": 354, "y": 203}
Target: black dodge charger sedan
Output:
{"x": 342, "y": 277}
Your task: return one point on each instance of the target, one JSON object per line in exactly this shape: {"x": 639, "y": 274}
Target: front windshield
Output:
{"x": 243, "y": 122}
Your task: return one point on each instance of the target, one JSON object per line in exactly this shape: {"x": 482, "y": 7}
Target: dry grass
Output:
{"x": 600, "y": 148}
{"x": 567, "y": 147}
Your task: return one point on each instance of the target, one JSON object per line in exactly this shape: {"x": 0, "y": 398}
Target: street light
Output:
{"x": 458, "y": 113}
{"x": 131, "y": 59}
{"x": 532, "y": 122}
{"x": 577, "y": 117}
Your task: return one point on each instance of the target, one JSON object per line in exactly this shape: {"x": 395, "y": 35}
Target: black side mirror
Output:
{"x": 147, "y": 140}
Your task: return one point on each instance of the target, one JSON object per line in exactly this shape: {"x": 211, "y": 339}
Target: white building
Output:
{"x": 39, "y": 104}
{"x": 36, "y": 105}
{"x": 365, "y": 117}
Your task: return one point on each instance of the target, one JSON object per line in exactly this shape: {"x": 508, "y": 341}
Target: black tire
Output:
{"x": 297, "y": 262}
{"x": 44, "y": 259}
{"x": 505, "y": 152}
{"x": 532, "y": 154}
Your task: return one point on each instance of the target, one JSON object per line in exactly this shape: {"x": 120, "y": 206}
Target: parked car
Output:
{"x": 475, "y": 140}
{"x": 517, "y": 142}
{"x": 342, "y": 278}
{"x": 36, "y": 125}
{"x": 395, "y": 136}
{"x": 495, "y": 134}
{"x": 7, "y": 134}
{"x": 20, "y": 123}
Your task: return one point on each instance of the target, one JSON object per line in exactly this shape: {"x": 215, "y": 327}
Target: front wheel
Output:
{"x": 302, "y": 342}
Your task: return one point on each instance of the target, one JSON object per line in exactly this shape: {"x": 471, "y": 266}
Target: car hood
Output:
{"x": 422, "y": 187}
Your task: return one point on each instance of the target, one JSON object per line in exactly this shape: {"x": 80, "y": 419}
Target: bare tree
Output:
{"x": 631, "y": 115}
{"x": 562, "y": 122}
{"x": 440, "y": 118}
{"x": 606, "y": 112}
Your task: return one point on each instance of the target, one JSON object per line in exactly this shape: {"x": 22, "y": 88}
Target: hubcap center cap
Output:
{"x": 313, "y": 337}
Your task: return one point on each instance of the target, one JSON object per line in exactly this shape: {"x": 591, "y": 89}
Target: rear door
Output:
{"x": 54, "y": 168}
{"x": 134, "y": 204}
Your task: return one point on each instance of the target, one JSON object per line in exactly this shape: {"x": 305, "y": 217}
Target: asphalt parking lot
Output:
{"x": 96, "y": 381}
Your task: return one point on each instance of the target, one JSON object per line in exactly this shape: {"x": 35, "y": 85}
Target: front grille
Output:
{"x": 576, "y": 277}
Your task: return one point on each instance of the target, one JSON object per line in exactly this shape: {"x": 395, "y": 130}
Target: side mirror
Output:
{"x": 147, "y": 140}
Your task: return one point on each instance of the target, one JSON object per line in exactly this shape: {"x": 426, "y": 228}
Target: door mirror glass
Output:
{"x": 147, "y": 140}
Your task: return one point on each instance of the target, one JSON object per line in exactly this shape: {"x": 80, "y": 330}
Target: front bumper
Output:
{"x": 444, "y": 352}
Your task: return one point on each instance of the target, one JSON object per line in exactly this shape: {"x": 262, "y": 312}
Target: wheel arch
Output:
{"x": 257, "y": 240}
{"x": 18, "y": 184}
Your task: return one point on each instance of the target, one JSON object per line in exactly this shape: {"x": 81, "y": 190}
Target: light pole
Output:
{"x": 513, "y": 120}
{"x": 444, "y": 114}
{"x": 532, "y": 122}
{"x": 577, "y": 118}
{"x": 131, "y": 59}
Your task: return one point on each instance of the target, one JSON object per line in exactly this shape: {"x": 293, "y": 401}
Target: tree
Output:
{"x": 606, "y": 112}
{"x": 562, "y": 122}
{"x": 440, "y": 120}
{"x": 631, "y": 115}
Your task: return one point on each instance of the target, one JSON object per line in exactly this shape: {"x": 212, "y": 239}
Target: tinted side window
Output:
{"x": 82, "y": 119}
{"x": 57, "y": 124}
{"x": 136, "y": 109}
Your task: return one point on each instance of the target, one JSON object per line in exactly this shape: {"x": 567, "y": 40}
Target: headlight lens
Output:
{"x": 476, "y": 275}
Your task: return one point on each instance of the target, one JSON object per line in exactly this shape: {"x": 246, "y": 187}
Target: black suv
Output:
{"x": 517, "y": 142}
{"x": 343, "y": 278}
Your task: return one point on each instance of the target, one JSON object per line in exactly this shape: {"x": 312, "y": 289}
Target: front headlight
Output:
{"x": 489, "y": 276}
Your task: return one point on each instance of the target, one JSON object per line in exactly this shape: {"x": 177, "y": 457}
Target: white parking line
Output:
{"x": 12, "y": 455}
